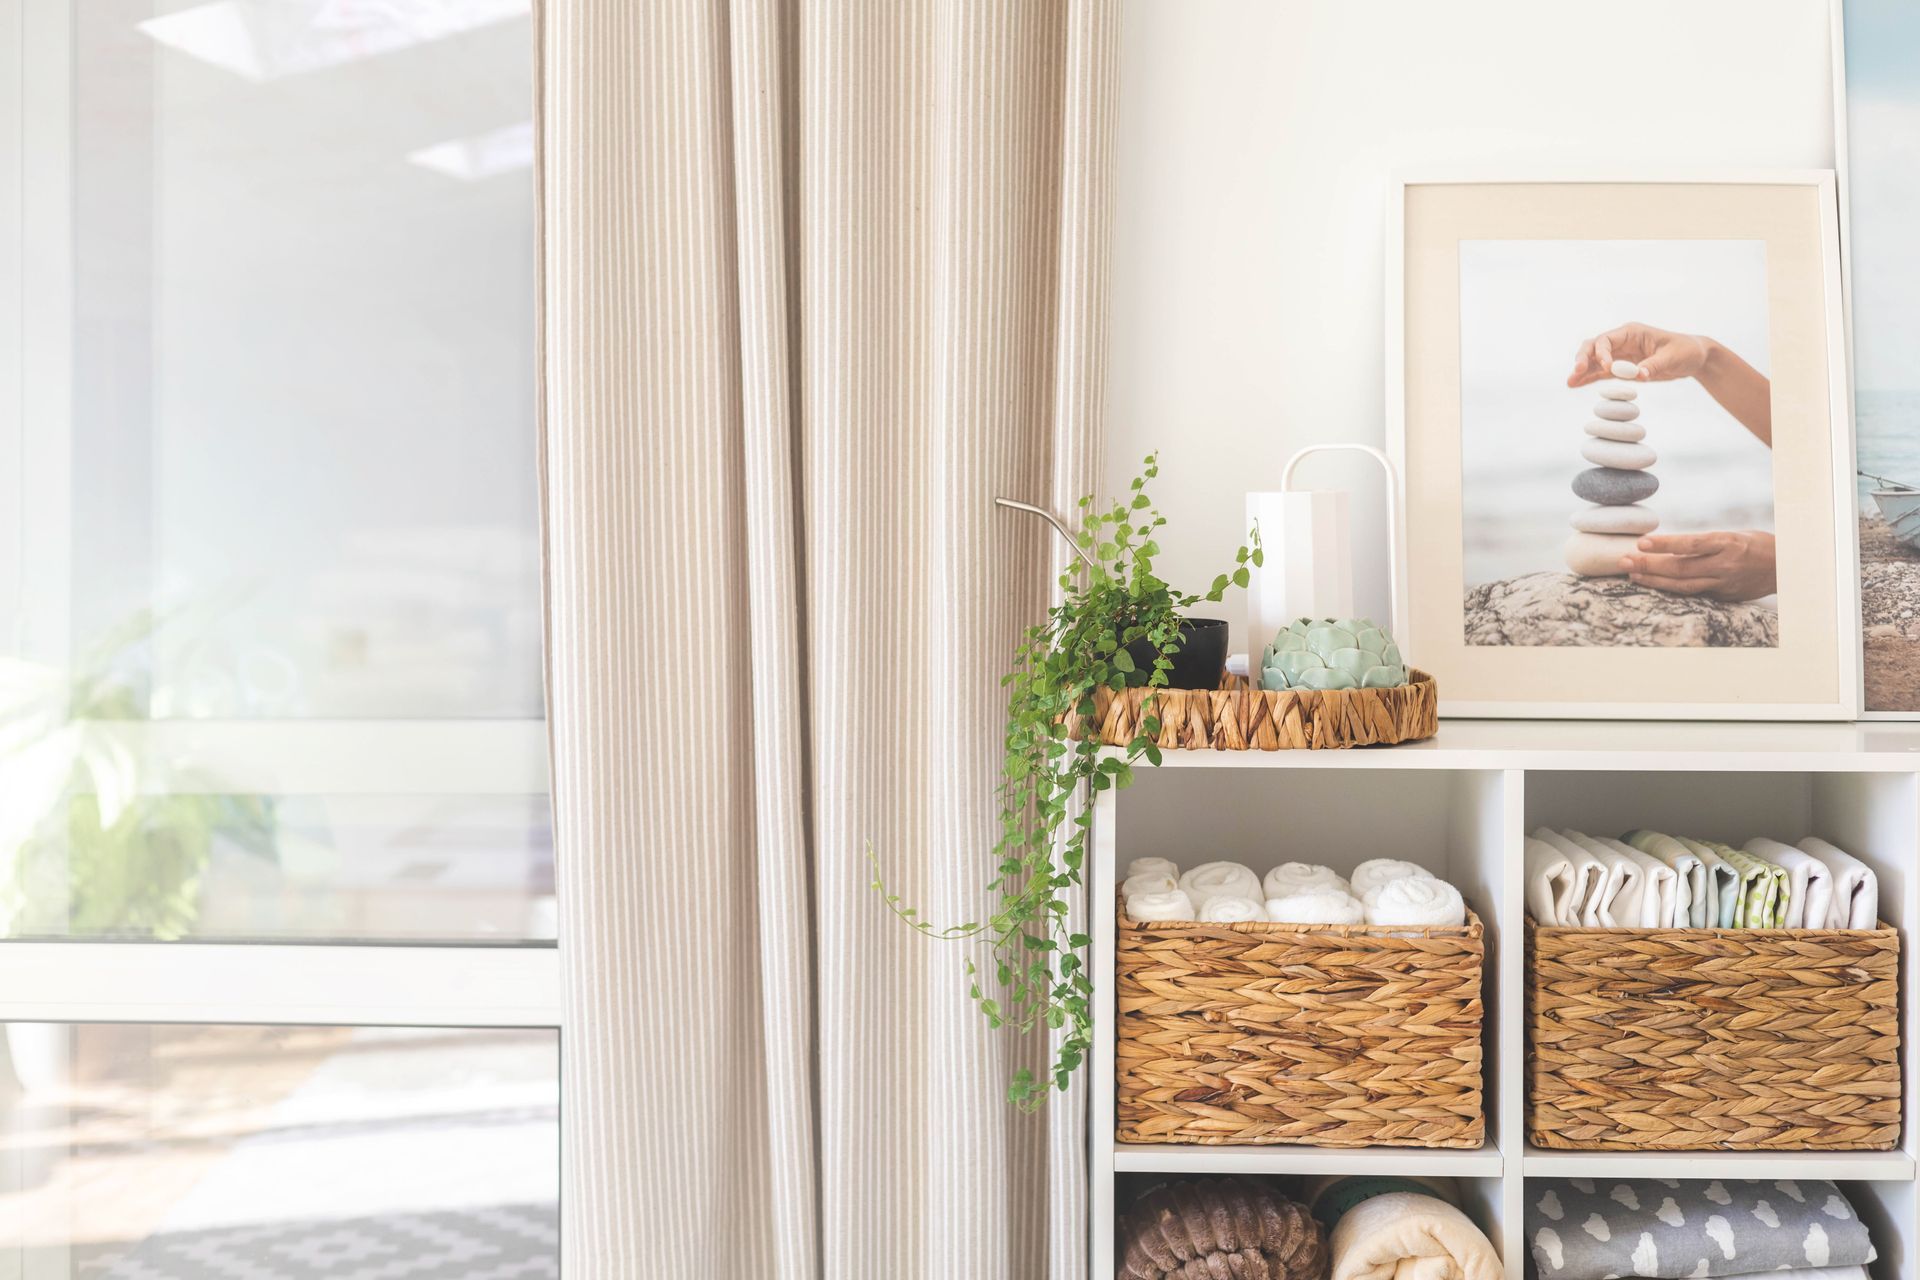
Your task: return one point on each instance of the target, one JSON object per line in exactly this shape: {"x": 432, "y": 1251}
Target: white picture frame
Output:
{"x": 1837, "y": 688}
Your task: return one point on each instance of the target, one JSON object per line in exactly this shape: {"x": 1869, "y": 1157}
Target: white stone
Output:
{"x": 1597, "y": 555}
{"x": 1625, "y": 369}
{"x": 1621, "y": 455}
{"x": 1618, "y": 391}
{"x": 1632, "y": 518}
{"x": 1616, "y": 410}
{"x": 1616, "y": 430}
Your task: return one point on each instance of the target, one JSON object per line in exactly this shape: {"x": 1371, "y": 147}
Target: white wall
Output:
{"x": 1255, "y": 143}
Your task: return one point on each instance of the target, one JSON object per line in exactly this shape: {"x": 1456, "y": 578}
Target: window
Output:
{"x": 272, "y": 757}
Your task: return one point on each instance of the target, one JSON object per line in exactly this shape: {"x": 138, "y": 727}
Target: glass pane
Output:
{"x": 183, "y": 1153}
{"x": 302, "y": 443}
{"x": 240, "y": 867}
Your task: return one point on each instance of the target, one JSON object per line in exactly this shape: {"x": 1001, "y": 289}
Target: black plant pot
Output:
{"x": 1201, "y": 660}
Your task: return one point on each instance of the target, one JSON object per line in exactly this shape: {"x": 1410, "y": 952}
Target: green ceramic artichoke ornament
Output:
{"x": 1332, "y": 653}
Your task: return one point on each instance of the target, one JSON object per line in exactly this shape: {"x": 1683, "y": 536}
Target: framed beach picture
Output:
{"x": 1881, "y": 72}
{"x": 1619, "y": 411}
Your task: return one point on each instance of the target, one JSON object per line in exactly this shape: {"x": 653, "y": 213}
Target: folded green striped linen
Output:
{"x": 1762, "y": 891}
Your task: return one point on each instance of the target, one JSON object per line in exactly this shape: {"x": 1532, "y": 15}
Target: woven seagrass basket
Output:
{"x": 1322, "y": 1035}
{"x": 1237, "y": 717}
{"x": 1713, "y": 1039}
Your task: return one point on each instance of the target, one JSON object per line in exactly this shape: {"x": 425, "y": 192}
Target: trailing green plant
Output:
{"x": 1111, "y": 600}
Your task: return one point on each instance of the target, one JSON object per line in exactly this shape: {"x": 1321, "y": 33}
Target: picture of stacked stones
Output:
{"x": 1618, "y": 482}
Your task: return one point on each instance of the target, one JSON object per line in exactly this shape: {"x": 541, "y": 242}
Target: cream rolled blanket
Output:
{"x": 1290, "y": 878}
{"x": 1407, "y": 1236}
{"x": 1154, "y": 866}
{"x": 1413, "y": 902}
{"x": 1148, "y": 882}
{"x": 1558, "y": 883}
{"x": 1692, "y": 886}
{"x": 1319, "y": 907}
{"x": 1856, "y": 889}
{"x": 1211, "y": 879}
{"x": 1161, "y": 906}
{"x": 1227, "y": 908}
{"x": 1374, "y": 872}
{"x": 1591, "y": 876}
{"x": 1809, "y": 883}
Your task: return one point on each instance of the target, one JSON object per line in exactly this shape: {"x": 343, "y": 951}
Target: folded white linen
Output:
{"x": 1415, "y": 901}
{"x": 1374, "y": 872}
{"x": 1148, "y": 882}
{"x": 1660, "y": 907}
{"x": 1726, "y": 882}
{"x": 1154, "y": 866}
{"x": 1161, "y": 906}
{"x": 1809, "y": 883}
{"x": 1557, "y": 888}
{"x": 1856, "y": 889}
{"x": 1692, "y": 886}
{"x": 1227, "y": 908}
{"x": 1212, "y": 878}
{"x": 1634, "y": 900}
{"x": 1316, "y": 907}
{"x": 1302, "y": 877}
{"x": 1592, "y": 878}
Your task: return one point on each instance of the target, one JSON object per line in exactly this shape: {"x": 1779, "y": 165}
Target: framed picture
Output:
{"x": 1619, "y": 408}
{"x": 1877, "y": 76}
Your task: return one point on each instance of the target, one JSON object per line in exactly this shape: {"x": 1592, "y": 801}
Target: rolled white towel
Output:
{"x": 1856, "y": 889}
{"x": 1374, "y": 872}
{"x": 1558, "y": 883}
{"x": 1290, "y": 878}
{"x": 1415, "y": 901}
{"x": 1809, "y": 883}
{"x": 1148, "y": 882}
{"x": 1161, "y": 906}
{"x": 1316, "y": 906}
{"x": 1227, "y": 908}
{"x": 1154, "y": 866}
{"x": 1591, "y": 877}
{"x": 1214, "y": 878}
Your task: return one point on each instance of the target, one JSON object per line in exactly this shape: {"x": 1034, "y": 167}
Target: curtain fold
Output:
{"x": 818, "y": 282}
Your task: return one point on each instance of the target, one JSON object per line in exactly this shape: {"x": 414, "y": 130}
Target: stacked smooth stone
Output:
{"x": 1617, "y": 483}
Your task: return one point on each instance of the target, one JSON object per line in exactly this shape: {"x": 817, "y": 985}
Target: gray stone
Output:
{"x": 1560, "y": 609}
{"x": 1614, "y": 488}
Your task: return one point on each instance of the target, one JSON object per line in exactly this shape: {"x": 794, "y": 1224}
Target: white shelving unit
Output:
{"x": 1461, "y": 803}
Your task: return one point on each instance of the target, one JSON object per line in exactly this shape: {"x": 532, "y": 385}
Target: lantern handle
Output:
{"x": 1393, "y": 513}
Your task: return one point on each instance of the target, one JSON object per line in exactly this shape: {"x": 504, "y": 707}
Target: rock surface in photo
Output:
{"x": 1562, "y": 609}
{"x": 1890, "y": 616}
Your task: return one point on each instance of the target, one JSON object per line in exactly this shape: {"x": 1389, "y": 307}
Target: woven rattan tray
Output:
{"x": 1236, "y": 717}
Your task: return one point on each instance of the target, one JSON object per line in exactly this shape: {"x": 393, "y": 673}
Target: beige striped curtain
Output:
{"x": 819, "y": 280}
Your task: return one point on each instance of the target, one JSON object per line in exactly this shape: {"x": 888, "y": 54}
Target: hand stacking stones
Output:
{"x": 1616, "y": 484}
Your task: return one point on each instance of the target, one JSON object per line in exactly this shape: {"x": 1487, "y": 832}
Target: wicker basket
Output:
{"x": 1324, "y": 1035}
{"x": 1236, "y": 717}
{"x": 1713, "y": 1039}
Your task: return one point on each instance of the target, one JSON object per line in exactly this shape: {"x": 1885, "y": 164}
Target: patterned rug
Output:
{"x": 498, "y": 1242}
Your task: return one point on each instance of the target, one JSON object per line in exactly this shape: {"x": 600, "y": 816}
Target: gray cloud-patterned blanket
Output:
{"x": 1591, "y": 1228}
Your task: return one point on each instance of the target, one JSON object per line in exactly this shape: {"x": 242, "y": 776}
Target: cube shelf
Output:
{"x": 1460, "y": 804}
